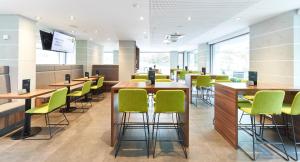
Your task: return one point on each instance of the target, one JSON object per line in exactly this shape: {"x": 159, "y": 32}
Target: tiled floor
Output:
{"x": 87, "y": 138}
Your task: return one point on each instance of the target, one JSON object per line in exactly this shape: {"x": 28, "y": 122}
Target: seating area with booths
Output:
{"x": 149, "y": 80}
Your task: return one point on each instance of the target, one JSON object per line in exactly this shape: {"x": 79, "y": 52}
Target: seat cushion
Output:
{"x": 245, "y": 106}
{"x": 75, "y": 94}
{"x": 94, "y": 87}
{"x": 12, "y": 106}
{"x": 249, "y": 97}
{"x": 286, "y": 109}
{"x": 39, "y": 110}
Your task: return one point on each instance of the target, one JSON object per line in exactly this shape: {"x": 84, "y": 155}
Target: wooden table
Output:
{"x": 115, "y": 115}
{"x": 86, "y": 79}
{"x": 27, "y": 130}
{"x": 133, "y": 76}
{"x": 226, "y": 109}
{"x": 68, "y": 85}
{"x": 189, "y": 81}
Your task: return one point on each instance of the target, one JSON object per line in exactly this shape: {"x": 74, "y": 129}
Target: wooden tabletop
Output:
{"x": 143, "y": 85}
{"x": 262, "y": 86}
{"x": 32, "y": 94}
{"x": 63, "y": 84}
{"x": 86, "y": 79}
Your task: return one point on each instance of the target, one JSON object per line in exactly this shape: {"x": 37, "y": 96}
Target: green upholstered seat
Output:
{"x": 57, "y": 99}
{"x": 182, "y": 74}
{"x": 163, "y": 80}
{"x": 141, "y": 76}
{"x": 85, "y": 90}
{"x": 294, "y": 108}
{"x": 138, "y": 80}
{"x": 169, "y": 101}
{"x": 99, "y": 84}
{"x": 161, "y": 76}
{"x": 133, "y": 100}
{"x": 203, "y": 81}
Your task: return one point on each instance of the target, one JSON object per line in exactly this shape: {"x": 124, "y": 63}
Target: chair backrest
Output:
{"x": 86, "y": 87}
{"x": 100, "y": 82}
{"x": 163, "y": 80}
{"x": 203, "y": 81}
{"x": 182, "y": 74}
{"x": 268, "y": 102}
{"x": 57, "y": 99}
{"x": 138, "y": 80}
{"x": 141, "y": 77}
{"x": 295, "y": 109}
{"x": 133, "y": 100}
{"x": 222, "y": 77}
{"x": 169, "y": 101}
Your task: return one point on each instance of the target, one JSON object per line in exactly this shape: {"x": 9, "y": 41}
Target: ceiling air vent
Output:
{"x": 172, "y": 38}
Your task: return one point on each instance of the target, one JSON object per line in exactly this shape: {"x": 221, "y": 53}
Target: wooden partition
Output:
{"x": 226, "y": 108}
{"x": 110, "y": 72}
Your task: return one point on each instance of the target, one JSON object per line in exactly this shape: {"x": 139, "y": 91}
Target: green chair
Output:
{"x": 98, "y": 86}
{"x": 141, "y": 77}
{"x": 222, "y": 77}
{"x": 86, "y": 88}
{"x": 245, "y": 99}
{"x": 265, "y": 103}
{"x": 182, "y": 74}
{"x": 169, "y": 101}
{"x": 292, "y": 110}
{"x": 133, "y": 101}
{"x": 57, "y": 100}
{"x": 161, "y": 76}
{"x": 138, "y": 80}
{"x": 163, "y": 80}
{"x": 204, "y": 84}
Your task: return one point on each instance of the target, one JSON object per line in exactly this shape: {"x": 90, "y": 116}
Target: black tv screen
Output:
{"x": 46, "y": 39}
{"x": 62, "y": 42}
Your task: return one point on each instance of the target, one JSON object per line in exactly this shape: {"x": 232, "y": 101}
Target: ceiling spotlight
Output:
{"x": 72, "y": 18}
{"x": 237, "y": 19}
{"x": 38, "y": 18}
{"x": 108, "y": 39}
{"x": 189, "y": 18}
{"x": 96, "y": 31}
{"x": 141, "y": 18}
{"x": 145, "y": 32}
{"x": 91, "y": 39}
{"x": 73, "y": 32}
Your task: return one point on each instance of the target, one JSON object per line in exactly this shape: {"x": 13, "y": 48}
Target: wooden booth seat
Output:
{"x": 49, "y": 74}
{"x": 11, "y": 112}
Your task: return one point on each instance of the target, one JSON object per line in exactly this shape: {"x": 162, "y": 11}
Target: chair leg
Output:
{"x": 49, "y": 125}
{"x": 125, "y": 115}
{"x": 147, "y": 118}
{"x": 65, "y": 118}
{"x": 253, "y": 136}
{"x": 181, "y": 135}
{"x": 146, "y": 137}
{"x": 119, "y": 137}
{"x": 155, "y": 140}
{"x": 273, "y": 120}
{"x": 294, "y": 139}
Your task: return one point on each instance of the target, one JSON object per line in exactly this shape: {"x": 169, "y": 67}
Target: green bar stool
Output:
{"x": 161, "y": 76}
{"x": 98, "y": 86}
{"x": 169, "y": 101}
{"x": 203, "y": 84}
{"x": 142, "y": 76}
{"x": 292, "y": 111}
{"x": 163, "y": 80}
{"x": 133, "y": 101}
{"x": 182, "y": 74}
{"x": 86, "y": 88}
{"x": 266, "y": 102}
{"x": 57, "y": 100}
{"x": 245, "y": 99}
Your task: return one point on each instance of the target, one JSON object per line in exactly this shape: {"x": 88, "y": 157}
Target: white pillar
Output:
{"x": 127, "y": 56}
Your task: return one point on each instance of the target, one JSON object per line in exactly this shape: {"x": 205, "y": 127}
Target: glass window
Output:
{"x": 193, "y": 60}
{"x": 180, "y": 60}
{"x": 108, "y": 58}
{"x": 231, "y": 56}
{"x": 161, "y": 60}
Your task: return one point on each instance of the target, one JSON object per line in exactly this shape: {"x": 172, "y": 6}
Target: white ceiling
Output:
{"x": 107, "y": 21}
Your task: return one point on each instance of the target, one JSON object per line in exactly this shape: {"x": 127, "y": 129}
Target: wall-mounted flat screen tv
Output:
{"x": 46, "y": 39}
{"x": 62, "y": 42}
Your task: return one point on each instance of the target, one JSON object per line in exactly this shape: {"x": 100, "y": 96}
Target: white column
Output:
{"x": 127, "y": 54}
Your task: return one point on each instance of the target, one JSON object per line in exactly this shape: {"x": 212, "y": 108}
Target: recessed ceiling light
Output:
{"x": 189, "y": 18}
{"x": 91, "y": 39}
{"x": 237, "y": 19}
{"x": 96, "y": 31}
{"x": 141, "y": 18}
{"x": 108, "y": 39}
{"x": 38, "y": 18}
{"x": 72, "y": 18}
{"x": 73, "y": 31}
{"x": 145, "y": 32}
{"x": 135, "y": 5}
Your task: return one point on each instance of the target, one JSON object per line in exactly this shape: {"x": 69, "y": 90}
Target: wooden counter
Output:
{"x": 226, "y": 109}
{"x": 116, "y": 116}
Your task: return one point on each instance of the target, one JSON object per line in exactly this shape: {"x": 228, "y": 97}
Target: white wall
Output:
{"x": 18, "y": 52}
{"x": 88, "y": 53}
{"x": 274, "y": 45}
